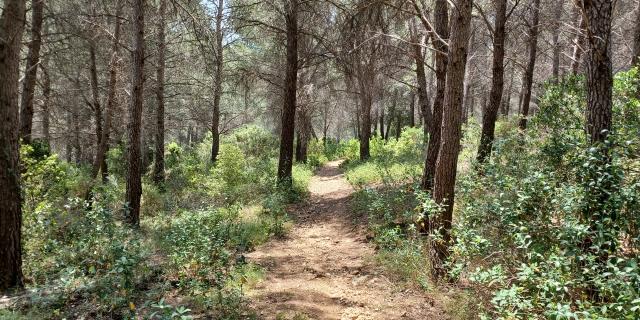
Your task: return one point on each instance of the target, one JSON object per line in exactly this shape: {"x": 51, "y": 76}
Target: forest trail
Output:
{"x": 324, "y": 268}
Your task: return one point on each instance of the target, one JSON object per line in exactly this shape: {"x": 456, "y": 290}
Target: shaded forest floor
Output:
{"x": 325, "y": 268}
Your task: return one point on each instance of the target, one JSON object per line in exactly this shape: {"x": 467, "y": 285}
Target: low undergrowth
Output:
{"x": 187, "y": 258}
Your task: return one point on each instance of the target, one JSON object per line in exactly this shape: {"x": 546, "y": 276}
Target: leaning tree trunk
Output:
{"x": 31, "y": 71}
{"x": 11, "y": 27}
{"x": 158, "y": 168}
{"x": 285, "y": 161}
{"x": 134, "y": 161}
{"x": 217, "y": 94}
{"x": 490, "y": 114}
{"x": 100, "y": 163}
{"x": 441, "y": 21}
{"x": 528, "y": 76}
{"x": 445, "y": 177}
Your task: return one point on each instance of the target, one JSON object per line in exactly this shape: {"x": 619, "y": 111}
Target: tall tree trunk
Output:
{"x": 95, "y": 96}
{"x": 31, "y": 71}
{"x": 555, "y": 66}
{"x": 602, "y": 238}
{"x": 158, "y": 168}
{"x": 533, "y": 48}
{"x": 11, "y": 28}
{"x": 366, "y": 100}
{"x": 441, "y": 26}
{"x": 100, "y": 163}
{"x": 134, "y": 161}
{"x": 421, "y": 77}
{"x": 46, "y": 101}
{"x": 578, "y": 43}
{"x": 445, "y": 177}
{"x": 217, "y": 94}
{"x": 635, "y": 54}
{"x": 285, "y": 161}
{"x": 490, "y": 114}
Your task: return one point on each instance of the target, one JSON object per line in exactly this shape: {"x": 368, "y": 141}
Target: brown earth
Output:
{"x": 324, "y": 268}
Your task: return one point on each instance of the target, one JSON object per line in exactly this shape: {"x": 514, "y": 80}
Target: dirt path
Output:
{"x": 324, "y": 268}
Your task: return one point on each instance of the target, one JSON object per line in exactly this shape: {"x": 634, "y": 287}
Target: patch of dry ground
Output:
{"x": 324, "y": 268}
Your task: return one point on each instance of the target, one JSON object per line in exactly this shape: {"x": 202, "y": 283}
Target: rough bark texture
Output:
{"x": 46, "y": 101}
{"x": 285, "y": 161}
{"x": 555, "y": 41}
{"x": 158, "y": 168}
{"x": 100, "y": 163}
{"x": 445, "y": 177}
{"x": 441, "y": 21}
{"x": 490, "y": 114}
{"x": 598, "y": 68}
{"x": 528, "y": 75}
{"x": 134, "y": 160}
{"x": 95, "y": 96}
{"x": 217, "y": 94}
{"x": 11, "y": 28}
{"x": 31, "y": 71}
{"x": 635, "y": 55}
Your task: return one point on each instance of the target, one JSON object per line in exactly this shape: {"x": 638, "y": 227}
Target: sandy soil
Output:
{"x": 324, "y": 268}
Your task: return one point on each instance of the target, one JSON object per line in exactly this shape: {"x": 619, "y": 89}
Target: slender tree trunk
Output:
{"x": 578, "y": 43}
{"x": 441, "y": 21}
{"x": 158, "y": 168}
{"x": 285, "y": 161}
{"x": 31, "y": 71}
{"x": 490, "y": 114}
{"x": 134, "y": 161}
{"x": 382, "y": 121}
{"x": 46, "y": 101}
{"x": 215, "y": 123}
{"x": 555, "y": 68}
{"x": 445, "y": 177}
{"x": 95, "y": 95}
{"x": 421, "y": 77}
{"x": 77, "y": 147}
{"x": 533, "y": 47}
{"x": 11, "y": 28}
{"x": 365, "y": 115}
{"x": 635, "y": 55}
{"x": 100, "y": 163}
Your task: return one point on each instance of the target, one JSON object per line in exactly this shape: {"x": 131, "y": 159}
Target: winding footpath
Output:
{"x": 324, "y": 268}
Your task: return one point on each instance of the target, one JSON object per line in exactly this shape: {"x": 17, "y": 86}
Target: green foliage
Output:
{"x": 81, "y": 260}
{"x": 545, "y": 202}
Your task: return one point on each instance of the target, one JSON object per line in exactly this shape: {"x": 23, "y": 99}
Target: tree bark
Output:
{"x": 46, "y": 101}
{"x": 158, "y": 168}
{"x": 134, "y": 161}
{"x": 555, "y": 67}
{"x": 285, "y": 161}
{"x": 100, "y": 163}
{"x": 11, "y": 28}
{"x": 445, "y": 177}
{"x": 528, "y": 77}
{"x": 95, "y": 95}
{"x": 217, "y": 94}
{"x": 441, "y": 21}
{"x": 490, "y": 114}
{"x": 635, "y": 54}
{"x": 31, "y": 71}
